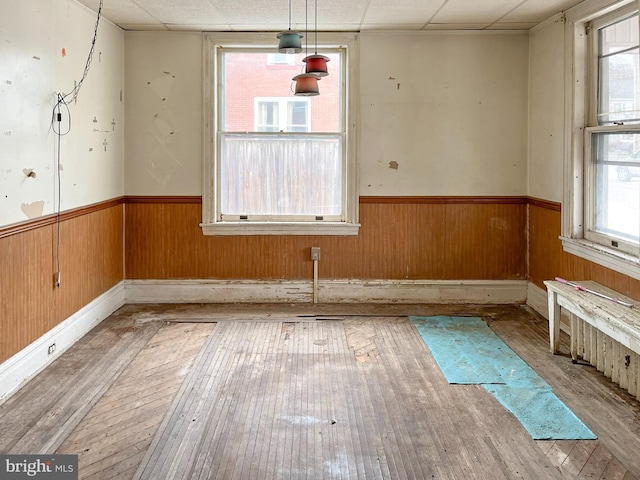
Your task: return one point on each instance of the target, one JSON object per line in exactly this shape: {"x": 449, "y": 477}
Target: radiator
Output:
{"x": 614, "y": 360}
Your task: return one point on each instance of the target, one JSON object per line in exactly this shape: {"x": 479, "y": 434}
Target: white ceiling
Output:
{"x": 333, "y": 15}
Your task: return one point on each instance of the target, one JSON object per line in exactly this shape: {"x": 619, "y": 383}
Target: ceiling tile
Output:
{"x": 460, "y": 12}
{"x": 456, "y": 26}
{"x": 511, "y": 26}
{"x": 333, "y": 15}
{"x": 187, "y": 12}
{"x": 401, "y": 12}
{"x": 538, "y": 10}
{"x": 122, "y": 11}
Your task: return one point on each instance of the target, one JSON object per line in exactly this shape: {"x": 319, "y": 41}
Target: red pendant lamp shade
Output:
{"x": 316, "y": 65}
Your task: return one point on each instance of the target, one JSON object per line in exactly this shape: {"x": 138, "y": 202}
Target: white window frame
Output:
{"x": 580, "y": 95}
{"x": 217, "y": 226}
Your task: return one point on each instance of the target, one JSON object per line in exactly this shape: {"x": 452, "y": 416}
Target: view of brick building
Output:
{"x": 253, "y": 80}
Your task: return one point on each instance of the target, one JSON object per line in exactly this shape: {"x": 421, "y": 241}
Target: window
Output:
{"x": 285, "y": 114}
{"x": 601, "y": 208}
{"x": 276, "y": 163}
{"x": 280, "y": 59}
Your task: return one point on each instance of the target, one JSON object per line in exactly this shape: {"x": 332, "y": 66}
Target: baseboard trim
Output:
{"x": 31, "y": 360}
{"x": 329, "y": 291}
{"x": 537, "y": 299}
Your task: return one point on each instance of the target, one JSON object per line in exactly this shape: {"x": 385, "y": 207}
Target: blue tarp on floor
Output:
{"x": 469, "y": 352}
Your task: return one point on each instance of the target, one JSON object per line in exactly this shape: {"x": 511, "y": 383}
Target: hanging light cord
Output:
{"x": 316, "y": 23}
{"x": 306, "y": 26}
{"x": 76, "y": 89}
{"x": 56, "y": 127}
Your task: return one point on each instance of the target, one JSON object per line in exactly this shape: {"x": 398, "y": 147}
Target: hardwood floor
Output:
{"x": 305, "y": 392}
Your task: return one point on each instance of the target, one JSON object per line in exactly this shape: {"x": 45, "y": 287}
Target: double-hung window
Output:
{"x": 601, "y": 211}
{"x": 275, "y": 162}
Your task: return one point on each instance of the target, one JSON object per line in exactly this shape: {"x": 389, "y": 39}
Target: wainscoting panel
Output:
{"x": 91, "y": 252}
{"x": 547, "y": 260}
{"x": 442, "y": 238}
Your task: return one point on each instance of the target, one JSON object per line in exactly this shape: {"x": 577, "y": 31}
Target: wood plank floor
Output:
{"x": 305, "y": 392}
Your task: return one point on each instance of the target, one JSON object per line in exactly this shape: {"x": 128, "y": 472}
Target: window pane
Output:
{"x": 280, "y": 59}
{"x": 618, "y": 68}
{"x": 281, "y": 175}
{"x": 268, "y": 117}
{"x": 248, "y": 75}
{"x": 297, "y": 114}
{"x": 617, "y": 185}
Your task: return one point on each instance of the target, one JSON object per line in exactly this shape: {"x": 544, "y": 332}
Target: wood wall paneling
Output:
{"x": 545, "y": 248}
{"x": 547, "y": 259}
{"x": 435, "y": 238}
{"x": 91, "y": 252}
{"x": 164, "y": 241}
{"x": 463, "y": 239}
{"x": 486, "y": 241}
{"x": 26, "y": 295}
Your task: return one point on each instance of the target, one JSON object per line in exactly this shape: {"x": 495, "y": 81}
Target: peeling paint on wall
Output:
{"x": 33, "y": 210}
{"x": 30, "y": 81}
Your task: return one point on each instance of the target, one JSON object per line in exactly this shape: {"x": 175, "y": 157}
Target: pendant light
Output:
{"x": 290, "y": 40}
{"x": 306, "y": 83}
{"x": 316, "y": 64}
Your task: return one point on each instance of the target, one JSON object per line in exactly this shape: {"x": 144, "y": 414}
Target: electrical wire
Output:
{"x": 63, "y": 99}
{"x": 316, "y": 25}
{"x": 62, "y": 102}
{"x": 56, "y": 119}
{"x": 57, "y": 167}
{"x": 76, "y": 88}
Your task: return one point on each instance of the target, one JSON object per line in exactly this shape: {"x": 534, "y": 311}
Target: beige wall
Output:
{"x": 163, "y": 142}
{"x": 455, "y": 125}
{"x": 449, "y": 108}
{"x": 546, "y": 110}
{"x": 44, "y": 48}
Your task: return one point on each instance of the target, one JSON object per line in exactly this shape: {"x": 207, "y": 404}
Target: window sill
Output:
{"x": 280, "y": 228}
{"x": 607, "y": 257}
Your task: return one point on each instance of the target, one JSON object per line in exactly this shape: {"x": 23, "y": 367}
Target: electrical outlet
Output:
{"x": 315, "y": 253}
{"x": 51, "y": 349}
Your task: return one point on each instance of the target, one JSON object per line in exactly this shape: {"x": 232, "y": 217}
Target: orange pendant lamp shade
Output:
{"x": 306, "y": 85}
